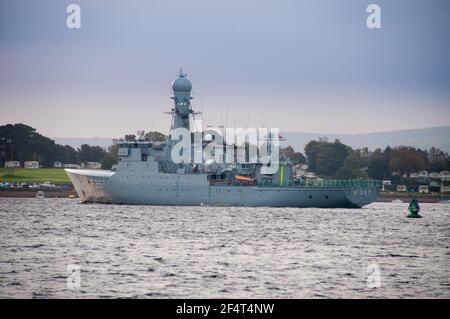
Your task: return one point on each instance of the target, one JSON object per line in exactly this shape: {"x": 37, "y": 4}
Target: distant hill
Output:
{"x": 420, "y": 138}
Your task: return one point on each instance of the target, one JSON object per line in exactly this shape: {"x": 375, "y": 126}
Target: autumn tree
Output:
{"x": 406, "y": 159}
{"x": 437, "y": 160}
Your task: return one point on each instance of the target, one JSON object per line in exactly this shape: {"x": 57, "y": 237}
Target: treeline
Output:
{"x": 327, "y": 159}
{"x": 22, "y": 143}
{"x": 337, "y": 160}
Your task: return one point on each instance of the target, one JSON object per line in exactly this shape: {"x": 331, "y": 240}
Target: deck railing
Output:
{"x": 328, "y": 183}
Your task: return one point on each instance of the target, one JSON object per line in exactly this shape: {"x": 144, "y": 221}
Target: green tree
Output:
{"x": 21, "y": 142}
{"x": 295, "y": 157}
{"x": 88, "y": 153}
{"x": 351, "y": 168}
{"x": 71, "y": 155}
{"x": 130, "y": 137}
{"x": 110, "y": 158}
{"x": 378, "y": 167}
{"x": 437, "y": 160}
{"x": 326, "y": 158}
{"x": 312, "y": 151}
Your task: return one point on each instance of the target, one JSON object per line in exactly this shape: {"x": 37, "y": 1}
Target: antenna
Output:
{"x": 221, "y": 110}
{"x": 226, "y": 109}
{"x": 249, "y": 113}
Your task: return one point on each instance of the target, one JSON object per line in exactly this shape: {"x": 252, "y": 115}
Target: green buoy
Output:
{"x": 414, "y": 209}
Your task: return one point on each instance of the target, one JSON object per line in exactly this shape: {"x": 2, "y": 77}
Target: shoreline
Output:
{"x": 31, "y": 193}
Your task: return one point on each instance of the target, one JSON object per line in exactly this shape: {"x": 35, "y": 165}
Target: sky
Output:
{"x": 297, "y": 65}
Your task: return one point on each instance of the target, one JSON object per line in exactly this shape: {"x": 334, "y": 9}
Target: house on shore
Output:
{"x": 71, "y": 166}
{"x": 445, "y": 176}
{"x": 57, "y": 164}
{"x": 423, "y": 189}
{"x": 91, "y": 165}
{"x": 445, "y": 189}
{"x": 31, "y": 164}
{"x": 12, "y": 164}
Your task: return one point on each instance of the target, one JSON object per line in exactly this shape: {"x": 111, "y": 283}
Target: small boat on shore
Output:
{"x": 40, "y": 195}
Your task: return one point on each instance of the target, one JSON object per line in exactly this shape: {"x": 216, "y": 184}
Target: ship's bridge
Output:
{"x": 137, "y": 151}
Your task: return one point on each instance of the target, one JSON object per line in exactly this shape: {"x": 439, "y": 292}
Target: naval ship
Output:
{"x": 147, "y": 175}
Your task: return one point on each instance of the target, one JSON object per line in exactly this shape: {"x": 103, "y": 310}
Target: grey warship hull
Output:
{"x": 194, "y": 190}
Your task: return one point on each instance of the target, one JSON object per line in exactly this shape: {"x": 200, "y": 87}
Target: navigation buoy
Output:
{"x": 414, "y": 209}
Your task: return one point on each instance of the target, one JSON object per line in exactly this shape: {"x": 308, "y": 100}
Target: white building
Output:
{"x": 31, "y": 164}
{"x": 300, "y": 170}
{"x": 445, "y": 189}
{"x": 12, "y": 164}
{"x": 91, "y": 165}
{"x": 423, "y": 189}
{"x": 385, "y": 182}
{"x": 401, "y": 188}
{"x": 57, "y": 164}
{"x": 71, "y": 166}
{"x": 445, "y": 176}
{"x": 434, "y": 175}
{"x": 435, "y": 183}
{"x": 422, "y": 174}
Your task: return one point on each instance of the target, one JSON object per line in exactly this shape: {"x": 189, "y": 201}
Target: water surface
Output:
{"x": 218, "y": 252}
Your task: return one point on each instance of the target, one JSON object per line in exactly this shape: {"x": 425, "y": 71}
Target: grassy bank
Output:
{"x": 38, "y": 175}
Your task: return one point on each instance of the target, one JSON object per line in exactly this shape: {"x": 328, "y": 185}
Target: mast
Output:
{"x": 181, "y": 112}
{"x": 181, "y": 87}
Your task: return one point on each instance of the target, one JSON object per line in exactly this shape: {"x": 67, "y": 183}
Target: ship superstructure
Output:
{"x": 147, "y": 174}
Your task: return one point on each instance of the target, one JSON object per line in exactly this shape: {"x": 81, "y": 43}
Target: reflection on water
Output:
{"x": 58, "y": 248}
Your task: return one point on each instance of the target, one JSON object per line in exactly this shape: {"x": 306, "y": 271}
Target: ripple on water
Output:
{"x": 169, "y": 252}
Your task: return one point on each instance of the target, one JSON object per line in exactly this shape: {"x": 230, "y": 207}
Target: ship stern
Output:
{"x": 362, "y": 196}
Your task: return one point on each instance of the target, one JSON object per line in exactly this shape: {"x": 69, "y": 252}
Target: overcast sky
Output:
{"x": 297, "y": 65}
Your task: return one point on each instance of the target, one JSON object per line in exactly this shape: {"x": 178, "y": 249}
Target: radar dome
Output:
{"x": 181, "y": 83}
